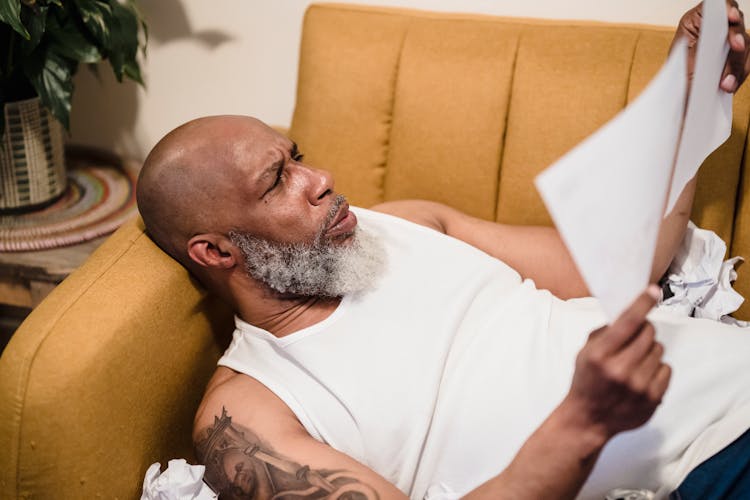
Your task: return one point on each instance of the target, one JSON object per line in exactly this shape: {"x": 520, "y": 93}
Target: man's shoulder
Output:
{"x": 249, "y": 403}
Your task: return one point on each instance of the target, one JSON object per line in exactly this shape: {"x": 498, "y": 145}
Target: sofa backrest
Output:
{"x": 105, "y": 375}
{"x": 468, "y": 109}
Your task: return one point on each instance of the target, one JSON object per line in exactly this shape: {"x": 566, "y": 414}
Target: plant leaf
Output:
{"x": 68, "y": 41}
{"x": 36, "y": 22}
{"x": 133, "y": 71}
{"x": 96, "y": 16}
{"x": 10, "y": 13}
{"x": 124, "y": 31}
{"x": 142, "y": 21}
{"x": 52, "y": 76}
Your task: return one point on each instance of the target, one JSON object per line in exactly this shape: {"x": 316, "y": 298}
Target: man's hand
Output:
{"x": 620, "y": 378}
{"x": 738, "y": 60}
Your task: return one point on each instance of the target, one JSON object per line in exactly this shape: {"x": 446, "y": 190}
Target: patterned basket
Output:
{"x": 32, "y": 164}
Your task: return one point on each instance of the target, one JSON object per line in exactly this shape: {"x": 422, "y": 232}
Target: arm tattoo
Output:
{"x": 240, "y": 466}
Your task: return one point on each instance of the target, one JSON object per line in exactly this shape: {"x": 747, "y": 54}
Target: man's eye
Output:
{"x": 297, "y": 156}
{"x": 279, "y": 172}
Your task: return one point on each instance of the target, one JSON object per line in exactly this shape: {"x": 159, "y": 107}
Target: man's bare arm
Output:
{"x": 239, "y": 465}
{"x": 259, "y": 462}
{"x": 254, "y": 447}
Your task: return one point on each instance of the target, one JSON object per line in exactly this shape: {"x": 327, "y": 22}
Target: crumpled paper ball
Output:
{"x": 181, "y": 481}
{"x": 628, "y": 494}
{"x": 700, "y": 280}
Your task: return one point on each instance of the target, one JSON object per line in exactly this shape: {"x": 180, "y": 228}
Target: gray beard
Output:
{"x": 321, "y": 268}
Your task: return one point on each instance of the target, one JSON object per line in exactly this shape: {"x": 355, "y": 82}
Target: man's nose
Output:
{"x": 320, "y": 185}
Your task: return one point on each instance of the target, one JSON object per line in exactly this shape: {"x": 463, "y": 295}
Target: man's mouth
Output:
{"x": 344, "y": 220}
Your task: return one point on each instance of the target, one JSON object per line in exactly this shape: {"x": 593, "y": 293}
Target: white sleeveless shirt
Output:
{"x": 435, "y": 378}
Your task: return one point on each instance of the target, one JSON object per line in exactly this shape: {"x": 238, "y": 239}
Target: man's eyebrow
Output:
{"x": 271, "y": 169}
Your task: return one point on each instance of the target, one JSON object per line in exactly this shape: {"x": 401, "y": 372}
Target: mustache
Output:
{"x": 339, "y": 200}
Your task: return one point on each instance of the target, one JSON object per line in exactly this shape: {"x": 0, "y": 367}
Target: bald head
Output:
{"x": 190, "y": 172}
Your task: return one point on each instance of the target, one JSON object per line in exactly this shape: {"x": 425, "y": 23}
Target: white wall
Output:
{"x": 240, "y": 56}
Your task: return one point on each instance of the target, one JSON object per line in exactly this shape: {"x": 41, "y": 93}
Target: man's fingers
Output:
{"x": 728, "y": 82}
{"x": 644, "y": 374}
{"x": 691, "y": 25}
{"x": 736, "y": 40}
{"x": 734, "y": 14}
{"x": 736, "y": 36}
{"x": 660, "y": 383}
{"x": 597, "y": 333}
{"x": 641, "y": 344}
{"x": 630, "y": 321}
{"x": 735, "y": 70}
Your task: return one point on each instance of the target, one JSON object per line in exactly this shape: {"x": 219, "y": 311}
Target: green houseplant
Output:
{"x": 42, "y": 44}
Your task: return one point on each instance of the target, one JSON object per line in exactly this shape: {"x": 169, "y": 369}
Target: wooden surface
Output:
{"x": 27, "y": 277}
{"x": 47, "y": 265}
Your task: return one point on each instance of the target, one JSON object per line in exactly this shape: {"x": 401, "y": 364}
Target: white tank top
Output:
{"x": 436, "y": 377}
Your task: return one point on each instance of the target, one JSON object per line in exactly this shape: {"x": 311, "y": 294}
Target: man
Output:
{"x": 398, "y": 351}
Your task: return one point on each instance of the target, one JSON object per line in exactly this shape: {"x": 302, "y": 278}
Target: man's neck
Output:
{"x": 283, "y": 316}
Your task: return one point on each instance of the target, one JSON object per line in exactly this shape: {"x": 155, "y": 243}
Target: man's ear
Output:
{"x": 212, "y": 250}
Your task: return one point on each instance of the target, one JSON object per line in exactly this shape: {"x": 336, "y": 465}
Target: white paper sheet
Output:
{"x": 708, "y": 119}
{"x": 607, "y": 195}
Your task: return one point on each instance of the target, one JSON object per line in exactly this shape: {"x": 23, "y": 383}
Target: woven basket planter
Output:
{"x": 32, "y": 164}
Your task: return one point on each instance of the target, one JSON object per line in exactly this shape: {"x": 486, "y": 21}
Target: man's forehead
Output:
{"x": 263, "y": 141}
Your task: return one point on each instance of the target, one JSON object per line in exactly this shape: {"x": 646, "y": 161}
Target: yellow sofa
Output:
{"x": 104, "y": 377}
